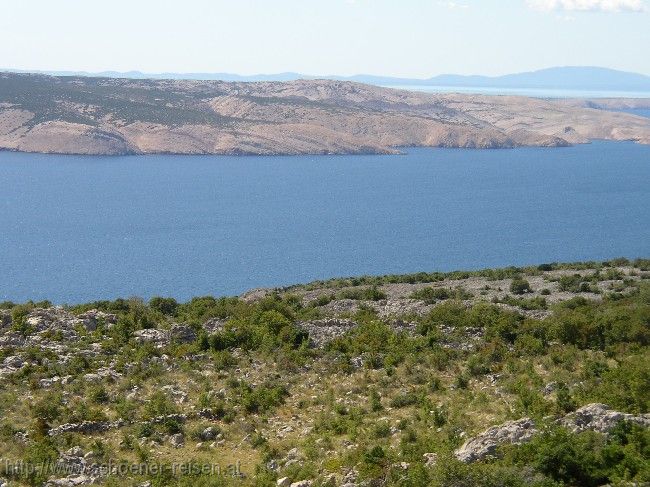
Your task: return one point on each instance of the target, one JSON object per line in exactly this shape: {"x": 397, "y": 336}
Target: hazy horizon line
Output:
{"x": 299, "y": 73}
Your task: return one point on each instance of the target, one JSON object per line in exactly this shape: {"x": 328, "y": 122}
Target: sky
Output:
{"x": 406, "y": 38}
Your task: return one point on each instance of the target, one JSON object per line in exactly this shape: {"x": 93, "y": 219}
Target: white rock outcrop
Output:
{"x": 595, "y": 417}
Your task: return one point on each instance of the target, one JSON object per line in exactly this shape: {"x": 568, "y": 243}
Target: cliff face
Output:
{"x": 79, "y": 115}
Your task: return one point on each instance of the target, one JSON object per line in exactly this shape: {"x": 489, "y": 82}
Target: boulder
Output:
{"x": 400, "y": 307}
{"x": 182, "y": 333}
{"x": 74, "y": 452}
{"x": 600, "y": 418}
{"x": 13, "y": 361}
{"x": 485, "y": 444}
{"x": 12, "y": 339}
{"x": 340, "y": 306}
{"x": 5, "y": 318}
{"x": 159, "y": 338}
{"x": 56, "y": 318}
{"x": 177, "y": 440}
{"x": 86, "y": 427}
{"x": 46, "y": 383}
{"x": 177, "y": 395}
{"x": 256, "y": 294}
{"x": 74, "y": 463}
{"x": 350, "y": 478}
{"x": 208, "y": 434}
{"x": 357, "y": 362}
{"x": 71, "y": 481}
{"x": 324, "y": 331}
{"x": 90, "y": 319}
{"x": 302, "y": 483}
{"x": 214, "y": 325}
{"x": 430, "y": 459}
{"x": 595, "y": 417}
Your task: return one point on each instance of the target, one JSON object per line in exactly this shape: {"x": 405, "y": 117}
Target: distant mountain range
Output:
{"x": 562, "y": 78}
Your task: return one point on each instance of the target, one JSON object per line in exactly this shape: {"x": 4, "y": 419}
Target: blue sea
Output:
{"x": 532, "y": 92}
{"x": 77, "y": 228}
{"x": 641, "y": 112}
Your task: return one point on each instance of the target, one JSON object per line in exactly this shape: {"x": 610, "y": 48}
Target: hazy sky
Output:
{"x": 414, "y": 38}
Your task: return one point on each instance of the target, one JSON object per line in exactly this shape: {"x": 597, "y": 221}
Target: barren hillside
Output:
{"x": 81, "y": 115}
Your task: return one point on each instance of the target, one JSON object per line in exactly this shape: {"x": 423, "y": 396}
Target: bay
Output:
{"x": 80, "y": 228}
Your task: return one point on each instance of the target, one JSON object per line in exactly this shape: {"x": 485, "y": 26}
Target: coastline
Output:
{"x": 106, "y": 116}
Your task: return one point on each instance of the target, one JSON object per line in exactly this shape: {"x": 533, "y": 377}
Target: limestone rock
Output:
{"x": 255, "y": 294}
{"x": 399, "y": 307}
{"x": 302, "y": 483}
{"x": 600, "y": 418}
{"x": 13, "y": 361}
{"x": 81, "y": 472}
{"x": 208, "y": 434}
{"x": 5, "y": 318}
{"x": 159, "y": 338}
{"x": 41, "y": 319}
{"x": 430, "y": 459}
{"x": 177, "y": 440}
{"x": 91, "y": 318}
{"x": 595, "y": 417}
{"x": 71, "y": 481}
{"x": 176, "y": 394}
{"x": 357, "y": 362}
{"x": 182, "y": 333}
{"x": 324, "y": 331}
{"x": 485, "y": 444}
{"x": 214, "y": 325}
{"x": 86, "y": 427}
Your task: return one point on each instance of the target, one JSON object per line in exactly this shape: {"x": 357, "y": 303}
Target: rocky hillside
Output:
{"x": 81, "y": 115}
{"x": 506, "y": 377}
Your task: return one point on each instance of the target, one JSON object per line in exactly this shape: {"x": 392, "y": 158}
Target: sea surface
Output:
{"x": 78, "y": 228}
{"x": 532, "y": 92}
{"x": 641, "y": 112}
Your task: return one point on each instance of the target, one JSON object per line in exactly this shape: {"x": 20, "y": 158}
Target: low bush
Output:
{"x": 520, "y": 286}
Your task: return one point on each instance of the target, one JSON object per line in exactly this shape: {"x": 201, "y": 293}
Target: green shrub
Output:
{"x": 368, "y": 294}
{"x": 262, "y": 398}
{"x": 159, "y": 405}
{"x": 381, "y": 430}
{"x": 18, "y": 318}
{"x": 462, "y": 381}
{"x": 166, "y": 306}
{"x": 570, "y": 283}
{"x": 519, "y": 286}
{"x": 537, "y": 302}
{"x": 404, "y": 400}
{"x": 97, "y": 394}
{"x": 589, "y": 459}
{"x": 375, "y": 401}
{"x": 563, "y": 401}
{"x": 431, "y": 295}
{"x": 625, "y": 387}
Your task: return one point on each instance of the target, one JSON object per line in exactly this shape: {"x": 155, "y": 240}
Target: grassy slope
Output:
{"x": 414, "y": 394}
